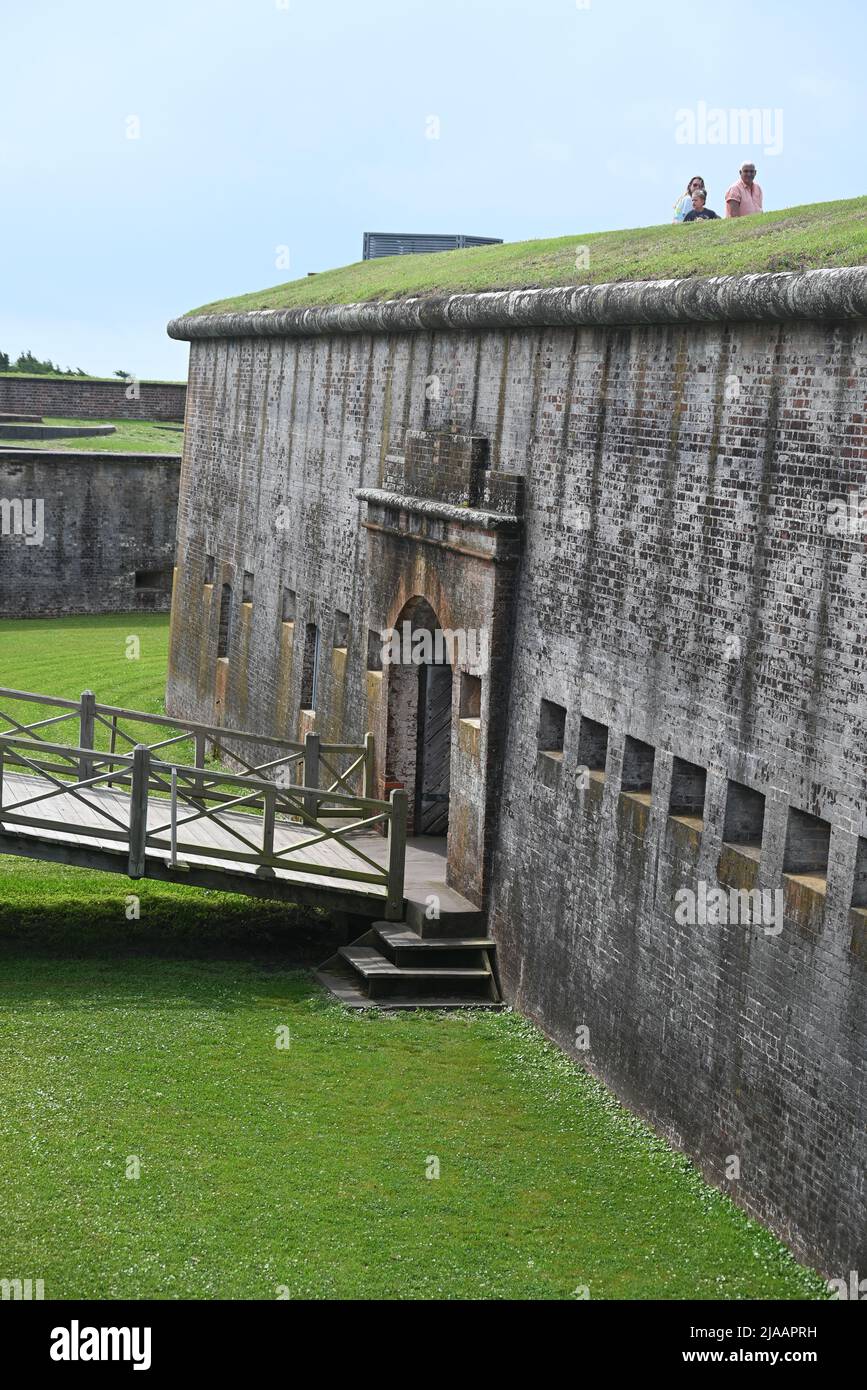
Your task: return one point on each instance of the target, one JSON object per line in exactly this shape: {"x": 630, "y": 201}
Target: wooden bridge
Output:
{"x": 124, "y": 791}
{"x": 134, "y": 793}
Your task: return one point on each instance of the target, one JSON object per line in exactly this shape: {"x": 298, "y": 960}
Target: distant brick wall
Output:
{"x": 75, "y": 398}
{"x": 108, "y": 532}
{"x": 679, "y": 586}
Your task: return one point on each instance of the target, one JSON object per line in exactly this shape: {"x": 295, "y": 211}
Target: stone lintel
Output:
{"x": 482, "y": 535}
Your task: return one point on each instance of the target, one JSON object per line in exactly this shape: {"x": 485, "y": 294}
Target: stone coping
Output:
{"x": 443, "y": 511}
{"x": 9, "y": 452}
{"x": 809, "y": 294}
{"x": 13, "y": 430}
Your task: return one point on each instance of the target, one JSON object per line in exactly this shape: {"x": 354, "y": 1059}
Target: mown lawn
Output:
{"x": 122, "y": 658}
{"x": 156, "y": 1142}
{"x": 305, "y": 1167}
{"x": 800, "y": 238}
{"x": 132, "y": 437}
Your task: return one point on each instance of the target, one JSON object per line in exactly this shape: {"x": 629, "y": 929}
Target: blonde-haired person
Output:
{"x": 684, "y": 202}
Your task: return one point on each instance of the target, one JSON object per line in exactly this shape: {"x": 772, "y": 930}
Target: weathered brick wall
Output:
{"x": 106, "y": 519}
{"x": 72, "y": 397}
{"x": 678, "y": 584}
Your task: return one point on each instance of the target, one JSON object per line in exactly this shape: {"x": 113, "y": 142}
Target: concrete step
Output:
{"x": 338, "y": 977}
{"x": 456, "y": 917}
{"x": 383, "y": 978}
{"x": 399, "y": 935}
{"x": 407, "y": 948}
{"x": 372, "y": 964}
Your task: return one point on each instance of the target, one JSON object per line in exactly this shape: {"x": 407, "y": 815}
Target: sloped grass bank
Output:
{"x": 802, "y": 238}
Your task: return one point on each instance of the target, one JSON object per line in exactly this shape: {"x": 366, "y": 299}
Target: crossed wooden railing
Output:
{"x": 262, "y": 792}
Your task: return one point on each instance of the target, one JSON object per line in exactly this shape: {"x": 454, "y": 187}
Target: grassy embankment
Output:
{"x": 801, "y": 238}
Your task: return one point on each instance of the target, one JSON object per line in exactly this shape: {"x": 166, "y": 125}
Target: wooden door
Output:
{"x": 434, "y": 749}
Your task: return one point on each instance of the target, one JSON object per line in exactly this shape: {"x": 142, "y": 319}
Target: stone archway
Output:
{"x": 419, "y": 717}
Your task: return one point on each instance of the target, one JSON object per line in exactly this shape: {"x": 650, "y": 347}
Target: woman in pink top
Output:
{"x": 745, "y": 196}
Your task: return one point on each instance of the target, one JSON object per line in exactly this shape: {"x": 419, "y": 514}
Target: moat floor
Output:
{"x": 221, "y": 1129}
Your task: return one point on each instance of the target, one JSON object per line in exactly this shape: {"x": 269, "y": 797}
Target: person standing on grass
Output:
{"x": 698, "y": 212}
{"x": 684, "y": 202}
{"x": 745, "y": 196}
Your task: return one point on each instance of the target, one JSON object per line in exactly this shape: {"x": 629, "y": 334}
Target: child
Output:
{"x": 684, "y": 202}
{"x": 699, "y": 212}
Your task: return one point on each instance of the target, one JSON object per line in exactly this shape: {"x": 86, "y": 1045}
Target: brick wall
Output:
{"x": 678, "y": 585}
{"x": 74, "y": 398}
{"x": 107, "y": 532}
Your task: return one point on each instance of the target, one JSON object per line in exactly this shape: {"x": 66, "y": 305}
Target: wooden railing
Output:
{"x": 313, "y": 764}
{"x": 192, "y": 792}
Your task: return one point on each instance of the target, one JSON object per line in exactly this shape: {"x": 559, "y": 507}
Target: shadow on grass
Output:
{"x": 52, "y": 987}
{"x": 270, "y": 933}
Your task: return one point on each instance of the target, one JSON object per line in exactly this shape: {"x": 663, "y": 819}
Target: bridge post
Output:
{"x": 396, "y": 855}
{"x": 200, "y": 762}
{"x": 269, "y": 812}
{"x": 86, "y": 725}
{"x": 138, "y": 809}
{"x": 367, "y": 775}
{"x": 311, "y": 772}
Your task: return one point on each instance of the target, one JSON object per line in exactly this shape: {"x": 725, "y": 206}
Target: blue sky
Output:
{"x": 299, "y": 125}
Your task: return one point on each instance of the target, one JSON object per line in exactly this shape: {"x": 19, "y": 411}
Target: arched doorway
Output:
{"x": 419, "y": 731}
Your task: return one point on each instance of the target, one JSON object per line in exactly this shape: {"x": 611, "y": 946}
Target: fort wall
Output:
{"x": 84, "y": 532}
{"x": 648, "y": 499}
{"x": 74, "y": 397}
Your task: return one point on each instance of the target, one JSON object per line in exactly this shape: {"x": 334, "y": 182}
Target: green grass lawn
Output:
{"x": 149, "y": 1046}
{"x": 66, "y": 656}
{"x": 305, "y": 1167}
{"x": 801, "y": 238}
{"x": 133, "y": 436}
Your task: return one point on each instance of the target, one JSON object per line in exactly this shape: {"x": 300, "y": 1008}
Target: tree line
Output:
{"x": 26, "y": 362}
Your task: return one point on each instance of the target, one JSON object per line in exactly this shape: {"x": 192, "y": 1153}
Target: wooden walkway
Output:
{"x": 425, "y": 866}
{"x": 297, "y": 823}
{"x": 320, "y": 839}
